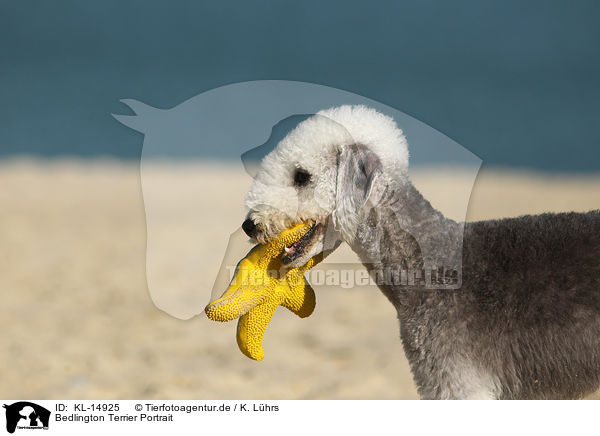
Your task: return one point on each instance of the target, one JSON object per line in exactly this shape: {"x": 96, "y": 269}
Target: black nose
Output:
{"x": 249, "y": 227}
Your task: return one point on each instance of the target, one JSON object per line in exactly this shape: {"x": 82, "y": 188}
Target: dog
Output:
{"x": 522, "y": 322}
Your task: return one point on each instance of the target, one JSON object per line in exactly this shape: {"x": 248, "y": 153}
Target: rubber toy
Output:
{"x": 260, "y": 285}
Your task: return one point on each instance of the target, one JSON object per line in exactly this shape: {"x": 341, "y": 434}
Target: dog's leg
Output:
{"x": 458, "y": 380}
{"x": 471, "y": 384}
{"x": 475, "y": 384}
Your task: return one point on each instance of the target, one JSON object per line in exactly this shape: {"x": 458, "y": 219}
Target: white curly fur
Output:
{"x": 315, "y": 146}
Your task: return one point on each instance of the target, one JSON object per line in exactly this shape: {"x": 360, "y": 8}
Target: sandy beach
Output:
{"x": 78, "y": 321}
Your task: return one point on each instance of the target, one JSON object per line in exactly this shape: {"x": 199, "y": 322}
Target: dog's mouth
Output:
{"x": 299, "y": 248}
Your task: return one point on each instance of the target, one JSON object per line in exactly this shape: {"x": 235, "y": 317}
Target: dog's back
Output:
{"x": 531, "y": 300}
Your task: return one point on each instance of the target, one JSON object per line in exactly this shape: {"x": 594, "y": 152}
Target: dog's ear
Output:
{"x": 358, "y": 170}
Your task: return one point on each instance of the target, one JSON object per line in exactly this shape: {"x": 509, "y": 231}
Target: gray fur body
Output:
{"x": 526, "y": 322}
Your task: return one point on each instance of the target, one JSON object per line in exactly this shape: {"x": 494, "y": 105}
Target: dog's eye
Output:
{"x": 301, "y": 177}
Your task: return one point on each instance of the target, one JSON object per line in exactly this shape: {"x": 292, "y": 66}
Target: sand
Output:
{"x": 78, "y": 321}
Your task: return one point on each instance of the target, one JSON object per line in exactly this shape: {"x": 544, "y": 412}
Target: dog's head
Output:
{"x": 323, "y": 172}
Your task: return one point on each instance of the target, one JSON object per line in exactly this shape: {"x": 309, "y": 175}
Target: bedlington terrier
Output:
{"x": 524, "y": 322}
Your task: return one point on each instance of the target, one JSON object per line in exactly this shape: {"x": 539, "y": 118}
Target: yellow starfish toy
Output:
{"x": 258, "y": 288}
